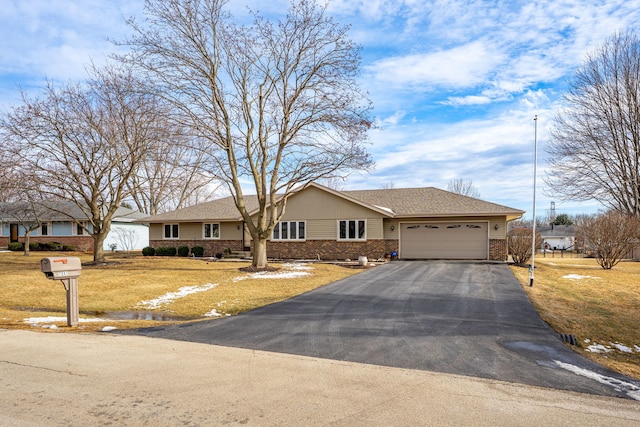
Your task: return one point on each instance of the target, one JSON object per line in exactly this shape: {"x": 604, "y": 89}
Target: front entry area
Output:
{"x": 444, "y": 240}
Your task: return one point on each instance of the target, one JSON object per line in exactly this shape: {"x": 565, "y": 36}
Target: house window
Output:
{"x": 171, "y": 231}
{"x": 45, "y": 229}
{"x": 289, "y": 230}
{"x": 211, "y": 231}
{"x": 79, "y": 228}
{"x": 352, "y": 229}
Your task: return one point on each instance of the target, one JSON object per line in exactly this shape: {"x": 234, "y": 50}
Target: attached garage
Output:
{"x": 444, "y": 240}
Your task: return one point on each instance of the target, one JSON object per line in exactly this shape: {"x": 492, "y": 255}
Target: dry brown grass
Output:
{"x": 123, "y": 283}
{"x": 603, "y": 308}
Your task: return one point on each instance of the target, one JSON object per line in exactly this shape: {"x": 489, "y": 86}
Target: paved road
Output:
{"x": 463, "y": 318}
{"x": 58, "y": 379}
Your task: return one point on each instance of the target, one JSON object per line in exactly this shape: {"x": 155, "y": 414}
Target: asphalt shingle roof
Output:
{"x": 429, "y": 201}
{"x": 401, "y": 202}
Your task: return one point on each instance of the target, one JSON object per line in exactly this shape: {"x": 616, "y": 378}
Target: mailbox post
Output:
{"x": 67, "y": 270}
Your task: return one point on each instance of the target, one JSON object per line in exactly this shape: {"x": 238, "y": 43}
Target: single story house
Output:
{"x": 558, "y": 237}
{"x": 65, "y": 223}
{"x": 323, "y": 223}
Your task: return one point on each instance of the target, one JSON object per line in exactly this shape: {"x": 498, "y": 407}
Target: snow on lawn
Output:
{"x": 577, "y": 277}
{"x": 599, "y": 348}
{"x": 289, "y": 271}
{"x": 169, "y": 297}
{"x": 47, "y": 322}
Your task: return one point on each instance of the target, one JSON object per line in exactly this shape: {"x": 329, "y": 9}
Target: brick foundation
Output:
{"x": 323, "y": 249}
{"x": 331, "y": 249}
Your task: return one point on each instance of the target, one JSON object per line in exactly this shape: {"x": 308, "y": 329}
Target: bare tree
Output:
{"x": 278, "y": 103}
{"x": 172, "y": 176}
{"x": 594, "y": 148}
{"x": 28, "y": 214}
{"x": 466, "y": 188}
{"x": 610, "y": 236}
{"x": 82, "y": 143}
{"x": 519, "y": 244}
{"x": 126, "y": 237}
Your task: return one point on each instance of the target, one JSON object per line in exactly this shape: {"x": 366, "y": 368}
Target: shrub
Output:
{"x": 16, "y": 246}
{"x": 34, "y": 246}
{"x": 197, "y": 251}
{"x": 183, "y": 251}
{"x": 69, "y": 248}
{"x": 171, "y": 251}
{"x": 519, "y": 243}
{"x": 50, "y": 246}
{"x": 610, "y": 236}
{"x": 148, "y": 251}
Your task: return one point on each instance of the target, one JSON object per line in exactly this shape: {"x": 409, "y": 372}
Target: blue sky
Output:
{"x": 455, "y": 84}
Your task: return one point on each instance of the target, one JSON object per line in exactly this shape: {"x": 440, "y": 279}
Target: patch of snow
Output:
{"x": 598, "y": 348}
{"x": 213, "y": 313}
{"x": 577, "y": 277}
{"x": 630, "y": 389}
{"x": 169, "y": 297}
{"x": 108, "y": 329}
{"x": 45, "y": 322}
{"x": 622, "y": 348}
{"x": 293, "y": 271}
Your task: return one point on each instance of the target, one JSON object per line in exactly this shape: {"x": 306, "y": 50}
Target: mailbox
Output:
{"x": 67, "y": 270}
{"x": 60, "y": 268}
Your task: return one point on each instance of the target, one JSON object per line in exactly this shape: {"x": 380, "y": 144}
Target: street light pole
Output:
{"x": 535, "y": 167}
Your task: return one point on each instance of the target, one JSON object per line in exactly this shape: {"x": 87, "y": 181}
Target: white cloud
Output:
{"x": 458, "y": 67}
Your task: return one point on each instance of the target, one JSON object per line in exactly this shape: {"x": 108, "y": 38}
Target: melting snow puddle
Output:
{"x": 630, "y": 389}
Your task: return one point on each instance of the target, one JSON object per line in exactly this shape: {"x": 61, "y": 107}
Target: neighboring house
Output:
{"x": 558, "y": 237}
{"x": 322, "y": 223}
{"x": 65, "y": 223}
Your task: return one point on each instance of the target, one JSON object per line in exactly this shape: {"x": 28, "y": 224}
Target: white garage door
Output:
{"x": 450, "y": 240}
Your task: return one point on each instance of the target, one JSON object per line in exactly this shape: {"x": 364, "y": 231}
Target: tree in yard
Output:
{"x": 82, "y": 143}
{"x": 610, "y": 236}
{"x": 594, "y": 146}
{"x": 519, "y": 244}
{"x": 563, "y": 219}
{"x": 28, "y": 214}
{"x": 276, "y": 102}
{"x": 463, "y": 187}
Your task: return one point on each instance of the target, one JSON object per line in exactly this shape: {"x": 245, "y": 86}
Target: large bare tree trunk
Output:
{"x": 259, "y": 253}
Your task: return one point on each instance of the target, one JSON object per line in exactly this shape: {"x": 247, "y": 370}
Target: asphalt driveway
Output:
{"x": 466, "y": 318}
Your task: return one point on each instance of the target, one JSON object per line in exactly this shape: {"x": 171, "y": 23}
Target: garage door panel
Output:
{"x": 454, "y": 240}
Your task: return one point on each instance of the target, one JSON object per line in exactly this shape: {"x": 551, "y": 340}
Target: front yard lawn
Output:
{"x": 132, "y": 292}
{"x": 601, "y": 308}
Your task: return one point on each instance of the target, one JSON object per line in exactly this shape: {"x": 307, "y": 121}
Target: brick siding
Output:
{"x": 498, "y": 249}
{"x": 82, "y": 243}
{"x": 331, "y": 249}
{"x": 314, "y": 249}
